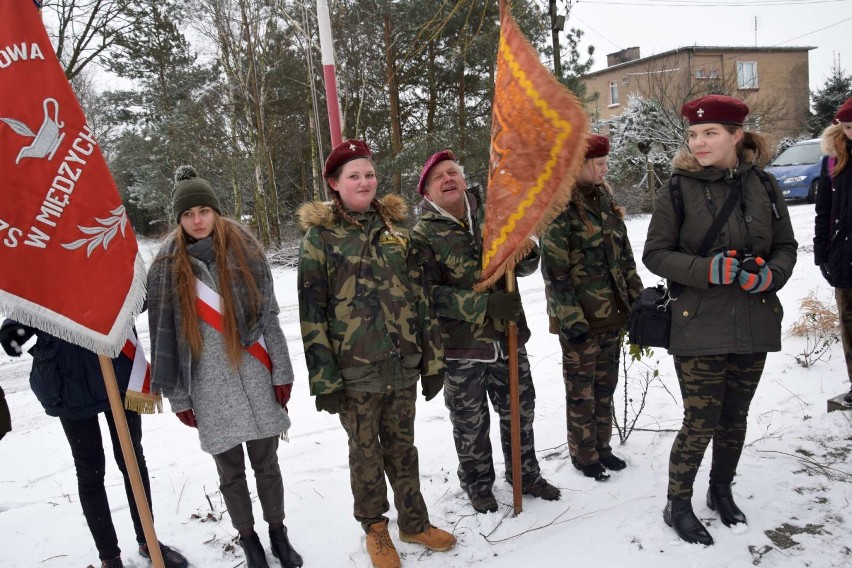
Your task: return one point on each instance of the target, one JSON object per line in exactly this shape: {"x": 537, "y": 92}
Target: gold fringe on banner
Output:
{"x": 538, "y": 145}
{"x": 143, "y": 403}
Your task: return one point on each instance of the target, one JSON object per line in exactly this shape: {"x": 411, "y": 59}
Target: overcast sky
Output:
{"x": 660, "y": 25}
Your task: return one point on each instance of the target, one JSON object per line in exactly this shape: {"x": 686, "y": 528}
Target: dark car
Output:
{"x": 797, "y": 169}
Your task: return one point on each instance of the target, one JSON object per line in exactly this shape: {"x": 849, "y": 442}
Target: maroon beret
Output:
{"x": 598, "y": 146}
{"x": 346, "y": 151}
{"x": 720, "y": 109}
{"x": 844, "y": 113}
{"x": 430, "y": 163}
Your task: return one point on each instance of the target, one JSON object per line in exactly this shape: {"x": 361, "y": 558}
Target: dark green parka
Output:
{"x": 589, "y": 272}
{"x": 712, "y": 320}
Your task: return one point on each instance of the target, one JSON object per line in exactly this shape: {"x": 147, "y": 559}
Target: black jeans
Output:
{"x": 231, "y": 465}
{"x": 84, "y": 437}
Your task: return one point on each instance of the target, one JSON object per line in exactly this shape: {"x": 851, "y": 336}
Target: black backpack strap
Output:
{"x": 710, "y": 237}
{"x": 770, "y": 190}
{"x": 677, "y": 197}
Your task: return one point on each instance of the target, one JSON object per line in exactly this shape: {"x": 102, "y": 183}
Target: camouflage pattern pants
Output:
{"x": 717, "y": 391}
{"x": 844, "y": 311}
{"x": 590, "y": 373}
{"x": 466, "y": 386}
{"x": 381, "y": 442}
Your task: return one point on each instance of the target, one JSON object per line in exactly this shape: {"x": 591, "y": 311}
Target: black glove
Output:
{"x": 432, "y": 385}
{"x": 13, "y": 335}
{"x": 578, "y": 339}
{"x": 331, "y": 402}
{"x": 504, "y": 305}
{"x": 5, "y": 417}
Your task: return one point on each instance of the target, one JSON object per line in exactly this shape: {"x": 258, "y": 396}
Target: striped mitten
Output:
{"x": 723, "y": 268}
{"x": 754, "y": 282}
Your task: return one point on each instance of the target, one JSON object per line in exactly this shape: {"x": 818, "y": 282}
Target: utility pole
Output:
{"x": 557, "y": 23}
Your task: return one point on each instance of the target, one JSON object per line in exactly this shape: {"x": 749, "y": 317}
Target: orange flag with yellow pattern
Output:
{"x": 537, "y": 149}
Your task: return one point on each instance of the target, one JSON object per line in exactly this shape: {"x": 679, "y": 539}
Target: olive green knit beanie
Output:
{"x": 192, "y": 191}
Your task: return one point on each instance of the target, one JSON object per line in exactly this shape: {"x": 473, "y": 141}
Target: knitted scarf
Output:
{"x": 171, "y": 358}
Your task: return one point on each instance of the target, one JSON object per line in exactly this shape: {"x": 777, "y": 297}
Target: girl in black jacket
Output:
{"x": 68, "y": 383}
{"x": 832, "y": 247}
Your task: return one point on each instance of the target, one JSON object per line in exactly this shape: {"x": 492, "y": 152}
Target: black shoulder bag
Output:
{"x": 651, "y": 313}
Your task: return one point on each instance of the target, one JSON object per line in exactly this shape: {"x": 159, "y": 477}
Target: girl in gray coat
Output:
{"x": 219, "y": 355}
{"x": 728, "y": 316}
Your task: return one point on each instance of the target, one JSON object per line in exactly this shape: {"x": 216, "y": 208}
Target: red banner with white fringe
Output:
{"x": 70, "y": 262}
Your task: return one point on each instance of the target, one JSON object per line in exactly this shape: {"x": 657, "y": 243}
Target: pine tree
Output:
{"x": 826, "y": 101}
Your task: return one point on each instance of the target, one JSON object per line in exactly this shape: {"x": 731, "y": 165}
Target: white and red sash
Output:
{"x": 209, "y": 305}
{"x": 139, "y": 397}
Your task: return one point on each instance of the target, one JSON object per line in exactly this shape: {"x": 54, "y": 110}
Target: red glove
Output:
{"x": 187, "y": 417}
{"x": 282, "y": 394}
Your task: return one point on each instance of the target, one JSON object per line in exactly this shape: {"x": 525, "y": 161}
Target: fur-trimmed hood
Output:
{"x": 324, "y": 213}
{"x": 685, "y": 161}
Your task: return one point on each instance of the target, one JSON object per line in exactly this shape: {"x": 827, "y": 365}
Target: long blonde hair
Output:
{"x": 836, "y": 140}
{"x": 233, "y": 249}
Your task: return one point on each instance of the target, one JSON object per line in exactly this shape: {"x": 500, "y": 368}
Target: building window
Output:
{"x": 699, "y": 74}
{"x": 747, "y": 74}
{"x": 613, "y": 93}
{"x": 714, "y": 74}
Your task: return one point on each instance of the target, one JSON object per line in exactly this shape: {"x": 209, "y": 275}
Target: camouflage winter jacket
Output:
{"x": 366, "y": 322}
{"x": 587, "y": 263}
{"x": 452, "y": 264}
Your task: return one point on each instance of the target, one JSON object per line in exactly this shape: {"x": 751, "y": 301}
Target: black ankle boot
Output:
{"x": 255, "y": 556}
{"x": 678, "y": 515}
{"x": 594, "y": 470}
{"x": 282, "y": 549}
{"x": 613, "y": 462}
{"x": 721, "y": 499}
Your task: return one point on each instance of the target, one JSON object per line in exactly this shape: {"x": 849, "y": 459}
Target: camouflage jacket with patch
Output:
{"x": 588, "y": 267}
{"x": 366, "y": 322}
{"x": 452, "y": 263}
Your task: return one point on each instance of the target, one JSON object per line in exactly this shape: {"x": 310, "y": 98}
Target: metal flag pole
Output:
{"x": 328, "y": 72}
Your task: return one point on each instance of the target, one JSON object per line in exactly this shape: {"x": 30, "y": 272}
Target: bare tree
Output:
{"x": 246, "y": 33}
{"x": 83, "y": 31}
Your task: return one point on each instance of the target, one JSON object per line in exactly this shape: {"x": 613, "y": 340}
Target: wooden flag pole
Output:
{"x": 514, "y": 403}
{"x": 130, "y": 462}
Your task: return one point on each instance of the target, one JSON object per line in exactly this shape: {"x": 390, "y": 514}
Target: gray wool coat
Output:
{"x": 714, "y": 320}
{"x": 231, "y": 406}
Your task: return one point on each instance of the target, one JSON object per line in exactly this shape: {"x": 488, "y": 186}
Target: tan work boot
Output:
{"x": 381, "y": 548}
{"x": 432, "y": 538}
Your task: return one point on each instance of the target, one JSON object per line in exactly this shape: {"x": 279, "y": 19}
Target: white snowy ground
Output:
{"x": 794, "y": 483}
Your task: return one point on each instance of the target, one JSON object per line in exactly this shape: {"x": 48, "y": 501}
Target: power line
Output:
{"x": 596, "y": 31}
{"x": 813, "y": 32}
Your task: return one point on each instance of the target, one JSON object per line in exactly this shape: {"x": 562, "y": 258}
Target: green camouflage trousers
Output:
{"x": 466, "y": 385}
{"x": 381, "y": 442}
{"x": 590, "y": 373}
{"x": 717, "y": 391}
{"x": 844, "y": 311}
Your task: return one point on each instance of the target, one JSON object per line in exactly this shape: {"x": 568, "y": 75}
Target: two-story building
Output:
{"x": 773, "y": 81}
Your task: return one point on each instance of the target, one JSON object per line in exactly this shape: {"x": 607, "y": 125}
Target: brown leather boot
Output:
{"x": 381, "y": 548}
{"x": 432, "y": 538}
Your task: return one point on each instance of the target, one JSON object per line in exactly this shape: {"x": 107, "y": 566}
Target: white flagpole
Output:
{"x": 328, "y": 71}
